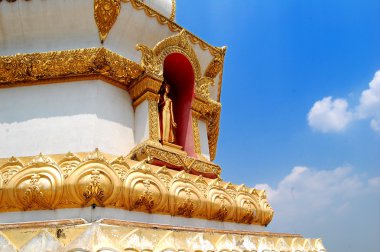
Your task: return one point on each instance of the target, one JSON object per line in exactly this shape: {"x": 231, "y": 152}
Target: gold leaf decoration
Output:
{"x": 84, "y": 63}
{"x": 106, "y": 13}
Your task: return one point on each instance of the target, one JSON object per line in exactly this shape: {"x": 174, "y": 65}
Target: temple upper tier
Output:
{"x": 109, "y": 116}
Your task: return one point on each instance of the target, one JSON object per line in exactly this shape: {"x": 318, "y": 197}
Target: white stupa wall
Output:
{"x": 204, "y": 139}
{"x": 165, "y": 7}
{"x": 57, "y": 118}
{"x": 141, "y": 122}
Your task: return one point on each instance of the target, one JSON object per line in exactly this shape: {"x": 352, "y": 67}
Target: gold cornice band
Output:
{"x": 85, "y": 179}
{"x": 62, "y": 65}
{"x": 117, "y": 235}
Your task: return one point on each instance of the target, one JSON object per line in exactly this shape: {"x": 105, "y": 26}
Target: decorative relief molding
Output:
{"x": 216, "y": 64}
{"x": 64, "y": 65}
{"x": 209, "y": 112}
{"x": 117, "y": 235}
{"x": 145, "y": 88}
{"x": 154, "y": 150}
{"x": 101, "y": 179}
{"x": 215, "y": 68}
{"x": 106, "y": 13}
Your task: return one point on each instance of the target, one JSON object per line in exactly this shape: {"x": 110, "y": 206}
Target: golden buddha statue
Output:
{"x": 168, "y": 124}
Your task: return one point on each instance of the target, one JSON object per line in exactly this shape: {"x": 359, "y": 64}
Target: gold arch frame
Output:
{"x": 152, "y": 59}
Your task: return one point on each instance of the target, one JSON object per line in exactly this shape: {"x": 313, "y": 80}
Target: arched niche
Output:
{"x": 179, "y": 73}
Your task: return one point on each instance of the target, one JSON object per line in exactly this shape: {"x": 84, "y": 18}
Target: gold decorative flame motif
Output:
{"x": 186, "y": 208}
{"x": 106, "y": 13}
{"x": 146, "y": 199}
{"x": 33, "y": 194}
{"x": 94, "y": 188}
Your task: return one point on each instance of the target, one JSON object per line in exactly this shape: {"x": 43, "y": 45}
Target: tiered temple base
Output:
{"x": 114, "y": 235}
{"x": 175, "y": 210}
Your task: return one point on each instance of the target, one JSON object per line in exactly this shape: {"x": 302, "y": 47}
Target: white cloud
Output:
{"x": 333, "y": 115}
{"x": 328, "y": 115}
{"x": 370, "y": 99}
{"x": 375, "y": 124}
{"x": 337, "y": 205}
{"x": 369, "y": 106}
{"x": 375, "y": 182}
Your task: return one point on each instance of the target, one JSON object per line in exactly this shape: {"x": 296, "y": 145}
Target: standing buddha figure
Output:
{"x": 168, "y": 124}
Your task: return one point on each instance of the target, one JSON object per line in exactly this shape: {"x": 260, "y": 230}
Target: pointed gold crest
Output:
{"x": 106, "y": 13}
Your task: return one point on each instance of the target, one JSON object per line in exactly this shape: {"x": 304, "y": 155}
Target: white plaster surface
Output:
{"x": 204, "y": 139}
{"x": 203, "y": 58}
{"x": 162, "y": 6}
{"x": 39, "y": 26}
{"x": 141, "y": 122}
{"x": 57, "y": 118}
{"x": 134, "y": 27}
{"x": 91, "y": 215}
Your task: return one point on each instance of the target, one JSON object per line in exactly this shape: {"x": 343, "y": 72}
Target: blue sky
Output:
{"x": 296, "y": 116}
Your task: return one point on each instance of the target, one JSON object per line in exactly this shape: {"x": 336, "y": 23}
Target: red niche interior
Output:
{"x": 179, "y": 73}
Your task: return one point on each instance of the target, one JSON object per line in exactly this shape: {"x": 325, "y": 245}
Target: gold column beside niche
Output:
{"x": 197, "y": 139}
{"x": 154, "y": 123}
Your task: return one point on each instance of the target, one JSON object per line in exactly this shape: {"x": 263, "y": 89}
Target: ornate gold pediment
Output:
{"x": 153, "y": 59}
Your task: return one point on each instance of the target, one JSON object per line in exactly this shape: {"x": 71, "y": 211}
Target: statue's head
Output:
{"x": 167, "y": 88}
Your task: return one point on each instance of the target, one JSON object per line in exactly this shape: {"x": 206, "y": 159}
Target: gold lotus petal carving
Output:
{"x": 37, "y": 185}
{"x": 120, "y": 182}
{"x": 186, "y": 199}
